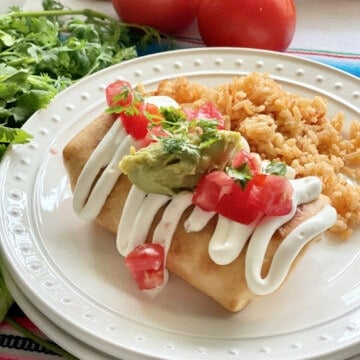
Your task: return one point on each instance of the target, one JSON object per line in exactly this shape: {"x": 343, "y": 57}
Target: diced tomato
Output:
{"x": 210, "y": 188}
{"x": 135, "y": 124}
{"x": 235, "y": 206}
{"x": 207, "y": 111}
{"x": 136, "y": 120}
{"x": 146, "y": 264}
{"x": 245, "y": 157}
{"x": 264, "y": 194}
{"x": 119, "y": 93}
{"x": 152, "y": 135}
{"x": 217, "y": 191}
{"x": 270, "y": 194}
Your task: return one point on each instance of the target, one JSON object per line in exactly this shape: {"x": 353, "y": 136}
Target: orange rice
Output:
{"x": 287, "y": 127}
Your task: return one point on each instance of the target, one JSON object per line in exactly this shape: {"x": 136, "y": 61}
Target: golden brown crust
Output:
{"x": 188, "y": 255}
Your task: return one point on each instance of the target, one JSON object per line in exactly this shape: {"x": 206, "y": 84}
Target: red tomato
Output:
{"x": 207, "y": 111}
{"x": 152, "y": 135}
{"x": 168, "y": 16}
{"x": 136, "y": 120}
{"x": 217, "y": 191}
{"x": 235, "y": 206}
{"x": 135, "y": 124}
{"x": 119, "y": 93}
{"x": 146, "y": 264}
{"x": 153, "y": 113}
{"x": 245, "y": 157}
{"x": 210, "y": 188}
{"x": 270, "y": 194}
{"x": 263, "y": 24}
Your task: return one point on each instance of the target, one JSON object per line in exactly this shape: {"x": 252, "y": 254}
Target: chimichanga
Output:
{"x": 200, "y": 254}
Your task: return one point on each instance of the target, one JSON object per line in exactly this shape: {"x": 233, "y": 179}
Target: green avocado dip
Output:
{"x": 174, "y": 163}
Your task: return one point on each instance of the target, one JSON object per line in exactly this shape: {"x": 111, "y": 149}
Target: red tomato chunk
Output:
{"x": 207, "y": 111}
{"x": 119, "y": 93}
{"x": 146, "y": 264}
{"x": 249, "y": 158}
{"x": 270, "y": 194}
{"x": 217, "y": 191}
{"x": 264, "y": 194}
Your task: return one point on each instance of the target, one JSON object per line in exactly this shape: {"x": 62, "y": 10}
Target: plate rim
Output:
{"x": 178, "y": 54}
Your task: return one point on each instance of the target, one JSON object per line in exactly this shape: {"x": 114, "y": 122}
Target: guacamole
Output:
{"x": 173, "y": 164}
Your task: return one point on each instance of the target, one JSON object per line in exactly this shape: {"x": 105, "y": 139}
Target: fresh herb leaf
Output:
{"x": 177, "y": 145}
{"x": 174, "y": 119}
{"x": 275, "y": 168}
{"x": 241, "y": 174}
{"x": 209, "y": 132}
{"x": 202, "y": 132}
{"x": 13, "y": 136}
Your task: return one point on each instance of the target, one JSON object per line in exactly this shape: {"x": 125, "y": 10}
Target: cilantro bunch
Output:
{"x": 43, "y": 52}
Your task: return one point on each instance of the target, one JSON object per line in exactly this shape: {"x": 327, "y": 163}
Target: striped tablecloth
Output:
{"x": 15, "y": 345}
{"x": 327, "y": 31}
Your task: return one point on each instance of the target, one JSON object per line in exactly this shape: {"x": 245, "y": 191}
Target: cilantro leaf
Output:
{"x": 275, "y": 168}
{"x": 174, "y": 119}
{"x": 176, "y": 145}
{"x": 13, "y": 136}
{"x": 210, "y": 132}
{"x": 241, "y": 174}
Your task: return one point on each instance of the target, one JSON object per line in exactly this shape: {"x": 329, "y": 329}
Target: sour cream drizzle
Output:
{"x": 89, "y": 198}
{"x": 229, "y": 237}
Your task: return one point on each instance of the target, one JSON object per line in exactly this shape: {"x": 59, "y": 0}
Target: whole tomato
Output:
{"x": 262, "y": 24}
{"x": 168, "y": 16}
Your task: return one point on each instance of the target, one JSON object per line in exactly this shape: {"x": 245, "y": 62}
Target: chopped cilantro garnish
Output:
{"x": 174, "y": 119}
{"x": 210, "y": 132}
{"x": 275, "y": 168}
{"x": 241, "y": 174}
{"x": 175, "y": 145}
{"x": 195, "y": 133}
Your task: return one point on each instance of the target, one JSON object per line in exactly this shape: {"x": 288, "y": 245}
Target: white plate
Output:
{"x": 71, "y": 270}
{"x": 62, "y": 338}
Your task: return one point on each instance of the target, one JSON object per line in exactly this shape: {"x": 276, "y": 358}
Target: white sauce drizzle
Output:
{"x": 198, "y": 219}
{"x": 164, "y": 231}
{"x": 229, "y": 237}
{"x": 89, "y": 198}
{"x": 285, "y": 254}
{"x": 134, "y": 226}
{"x": 305, "y": 190}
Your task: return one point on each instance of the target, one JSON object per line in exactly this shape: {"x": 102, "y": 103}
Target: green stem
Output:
{"x": 48, "y": 13}
{"x": 46, "y": 344}
{"x": 85, "y": 12}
